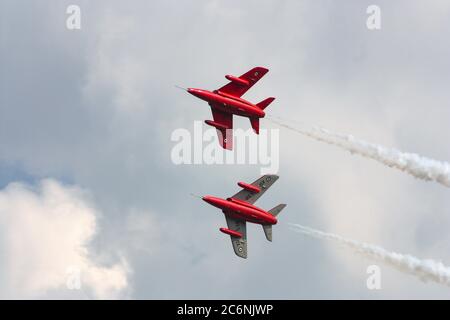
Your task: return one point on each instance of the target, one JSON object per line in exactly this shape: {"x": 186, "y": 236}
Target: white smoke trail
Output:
{"x": 414, "y": 164}
{"x": 425, "y": 270}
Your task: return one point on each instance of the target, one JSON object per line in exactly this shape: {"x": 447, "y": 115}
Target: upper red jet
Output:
{"x": 227, "y": 101}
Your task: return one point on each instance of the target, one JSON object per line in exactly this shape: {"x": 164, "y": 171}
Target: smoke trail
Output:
{"x": 425, "y": 270}
{"x": 414, "y": 164}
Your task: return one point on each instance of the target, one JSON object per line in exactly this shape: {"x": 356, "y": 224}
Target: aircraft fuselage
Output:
{"x": 228, "y": 103}
{"x": 241, "y": 210}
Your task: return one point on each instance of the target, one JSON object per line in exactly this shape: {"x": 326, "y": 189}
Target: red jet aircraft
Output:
{"x": 227, "y": 101}
{"x": 239, "y": 209}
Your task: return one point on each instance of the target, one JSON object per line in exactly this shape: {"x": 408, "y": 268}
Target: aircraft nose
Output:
{"x": 195, "y": 92}
{"x": 211, "y": 200}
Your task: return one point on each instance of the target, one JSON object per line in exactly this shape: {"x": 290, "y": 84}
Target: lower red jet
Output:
{"x": 239, "y": 209}
{"x": 226, "y": 102}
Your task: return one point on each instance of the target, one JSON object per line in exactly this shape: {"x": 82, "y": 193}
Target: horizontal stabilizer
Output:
{"x": 268, "y": 231}
{"x": 275, "y": 211}
{"x": 255, "y": 124}
{"x": 263, "y": 104}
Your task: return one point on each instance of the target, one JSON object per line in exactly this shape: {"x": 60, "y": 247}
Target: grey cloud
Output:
{"x": 97, "y": 106}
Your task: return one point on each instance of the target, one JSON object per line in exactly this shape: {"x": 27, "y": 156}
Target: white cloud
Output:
{"x": 45, "y": 235}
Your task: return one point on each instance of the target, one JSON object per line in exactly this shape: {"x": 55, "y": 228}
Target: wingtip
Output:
{"x": 260, "y": 69}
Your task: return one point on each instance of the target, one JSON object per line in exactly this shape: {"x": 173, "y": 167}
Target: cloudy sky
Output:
{"x": 87, "y": 183}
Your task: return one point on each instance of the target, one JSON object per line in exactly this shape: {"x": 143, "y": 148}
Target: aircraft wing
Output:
{"x": 226, "y": 120}
{"x": 263, "y": 183}
{"x": 250, "y": 78}
{"x": 239, "y": 244}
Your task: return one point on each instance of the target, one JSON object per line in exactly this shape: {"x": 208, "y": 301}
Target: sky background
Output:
{"x": 86, "y": 118}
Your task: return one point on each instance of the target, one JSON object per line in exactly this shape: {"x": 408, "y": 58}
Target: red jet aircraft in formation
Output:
{"x": 239, "y": 209}
{"x": 226, "y": 102}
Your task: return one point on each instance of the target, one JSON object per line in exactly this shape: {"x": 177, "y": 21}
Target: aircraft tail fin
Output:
{"x": 276, "y": 210}
{"x": 268, "y": 231}
{"x": 268, "y": 228}
{"x": 255, "y": 124}
{"x": 263, "y": 104}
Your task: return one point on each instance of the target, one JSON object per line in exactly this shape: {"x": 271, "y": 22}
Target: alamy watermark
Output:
{"x": 373, "y": 21}
{"x": 73, "y": 21}
{"x": 374, "y": 280}
{"x": 73, "y": 279}
{"x": 202, "y": 147}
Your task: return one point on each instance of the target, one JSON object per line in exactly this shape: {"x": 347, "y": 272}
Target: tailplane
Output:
{"x": 263, "y": 104}
{"x": 268, "y": 228}
{"x": 275, "y": 211}
{"x": 268, "y": 231}
{"x": 255, "y": 124}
